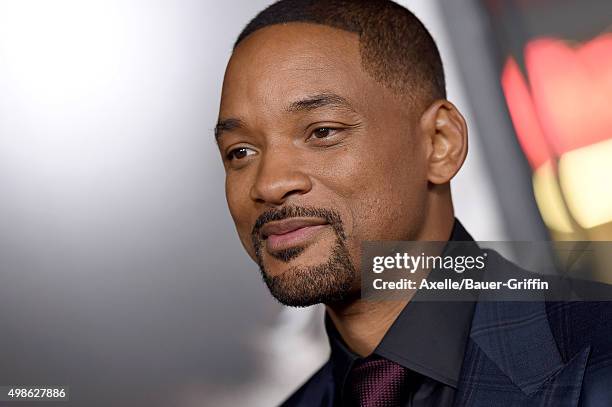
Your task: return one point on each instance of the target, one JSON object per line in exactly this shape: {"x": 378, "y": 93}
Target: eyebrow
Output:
{"x": 227, "y": 125}
{"x": 327, "y": 99}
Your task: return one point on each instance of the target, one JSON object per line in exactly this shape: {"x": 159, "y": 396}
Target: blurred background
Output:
{"x": 120, "y": 272}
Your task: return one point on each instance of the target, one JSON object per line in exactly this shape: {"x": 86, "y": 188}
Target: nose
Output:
{"x": 280, "y": 175}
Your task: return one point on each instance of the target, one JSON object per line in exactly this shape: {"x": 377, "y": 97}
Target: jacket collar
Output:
{"x": 516, "y": 336}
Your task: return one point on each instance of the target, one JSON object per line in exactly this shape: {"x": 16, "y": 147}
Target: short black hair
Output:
{"x": 396, "y": 49}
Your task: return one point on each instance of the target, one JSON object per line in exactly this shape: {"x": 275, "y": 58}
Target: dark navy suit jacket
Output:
{"x": 537, "y": 353}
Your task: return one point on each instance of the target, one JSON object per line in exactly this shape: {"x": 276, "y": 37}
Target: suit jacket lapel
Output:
{"x": 512, "y": 359}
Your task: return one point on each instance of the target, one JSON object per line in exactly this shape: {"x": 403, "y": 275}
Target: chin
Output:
{"x": 301, "y": 283}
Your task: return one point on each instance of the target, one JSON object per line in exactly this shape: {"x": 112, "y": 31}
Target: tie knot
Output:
{"x": 377, "y": 382}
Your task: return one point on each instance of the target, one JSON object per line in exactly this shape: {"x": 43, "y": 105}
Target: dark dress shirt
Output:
{"x": 428, "y": 338}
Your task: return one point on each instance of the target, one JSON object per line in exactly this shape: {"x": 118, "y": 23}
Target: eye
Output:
{"x": 239, "y": 153}
{"x": 323, "y": 132}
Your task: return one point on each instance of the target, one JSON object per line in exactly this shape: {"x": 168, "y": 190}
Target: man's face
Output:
{"x": 319, "y": 157}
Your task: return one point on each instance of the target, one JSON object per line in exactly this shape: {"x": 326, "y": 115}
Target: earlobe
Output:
{"x": 446, "y": 135}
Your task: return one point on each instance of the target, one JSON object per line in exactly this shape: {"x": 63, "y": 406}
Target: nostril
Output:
{"x": 294, "y": 192}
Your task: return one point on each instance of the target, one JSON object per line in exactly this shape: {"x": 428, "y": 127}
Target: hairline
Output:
{"x": 403, "y": 95}
{"x": 297, "y": 21}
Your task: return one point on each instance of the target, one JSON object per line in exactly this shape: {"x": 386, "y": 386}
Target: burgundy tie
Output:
{"x": 377, "y": 382}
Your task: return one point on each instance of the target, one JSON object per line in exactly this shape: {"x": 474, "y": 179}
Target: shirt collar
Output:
{"x": 428, "y": 337}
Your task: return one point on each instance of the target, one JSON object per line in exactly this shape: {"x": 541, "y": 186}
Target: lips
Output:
{"x": 288, "y": 233}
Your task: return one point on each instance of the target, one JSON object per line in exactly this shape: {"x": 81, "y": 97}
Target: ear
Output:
{"x": 445, "y": 134}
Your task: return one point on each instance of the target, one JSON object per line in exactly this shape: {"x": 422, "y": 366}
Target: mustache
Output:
{"x": 331, "y": 216}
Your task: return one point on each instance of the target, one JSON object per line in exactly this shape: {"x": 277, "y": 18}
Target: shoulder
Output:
{"x": 318, "y": 390}
{"x": 574, "y": 323}
{"x": 580, "y": 324}
{"x": 577, "y": 324}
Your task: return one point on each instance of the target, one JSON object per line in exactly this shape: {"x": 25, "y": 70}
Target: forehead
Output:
{"x": 281, "y": 63}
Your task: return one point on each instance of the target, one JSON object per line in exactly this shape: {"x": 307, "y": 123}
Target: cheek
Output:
{"x": 384, "y": 189}
{"x": 238, "y": 202}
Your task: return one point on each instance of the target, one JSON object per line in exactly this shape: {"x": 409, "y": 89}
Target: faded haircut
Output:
{"x": 396, "y": 49}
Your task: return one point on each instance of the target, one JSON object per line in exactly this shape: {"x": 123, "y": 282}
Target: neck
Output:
{"x": 362, "y": 323}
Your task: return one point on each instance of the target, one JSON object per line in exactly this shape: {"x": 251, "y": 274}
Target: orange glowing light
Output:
{"x": 563, "y": 120}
